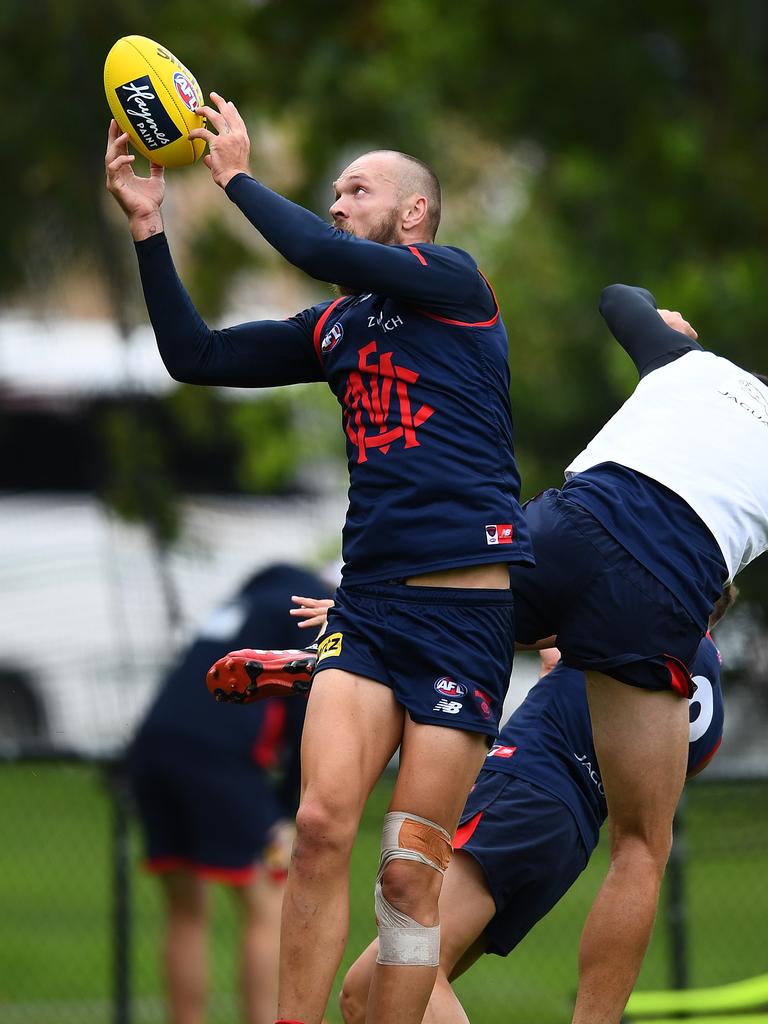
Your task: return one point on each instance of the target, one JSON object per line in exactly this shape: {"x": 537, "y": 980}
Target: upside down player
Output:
{"x": 667, "y": 503}
{"x": 416, "y": 354}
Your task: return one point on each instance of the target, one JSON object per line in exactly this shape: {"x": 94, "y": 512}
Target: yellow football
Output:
{"x": 155, "y": 99}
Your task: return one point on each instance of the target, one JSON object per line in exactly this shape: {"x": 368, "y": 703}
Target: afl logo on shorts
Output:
{"x": 186, "y": 91}
{"x": 448, "y": 687}
{"x": 332, "y": 338}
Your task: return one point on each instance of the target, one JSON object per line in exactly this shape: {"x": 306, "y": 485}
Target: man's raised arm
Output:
{"x": 262, "y": 354}
{"x": 424, "y": 273}
{"x": 650, "y": 336}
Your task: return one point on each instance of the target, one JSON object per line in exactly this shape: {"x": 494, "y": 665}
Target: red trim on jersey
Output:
{"x": 417, "y": 254}
{"x": 465, "y": 832}
{"x": 463, "y": 323}
{"x": 230, "y": 876}
{"x": 316, "y": 339}
{"x": 265, "y": 747}
{"x": 680, "y": 677}
{"x": 704, "y": 761}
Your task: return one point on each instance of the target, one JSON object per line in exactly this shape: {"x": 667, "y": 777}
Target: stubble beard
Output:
{"x": 384, "y": 232}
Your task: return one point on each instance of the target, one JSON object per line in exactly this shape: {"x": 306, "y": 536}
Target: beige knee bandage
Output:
{"x": 403, "y": 941}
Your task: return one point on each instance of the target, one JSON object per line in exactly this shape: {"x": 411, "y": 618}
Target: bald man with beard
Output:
{"x": 419, "y": 647}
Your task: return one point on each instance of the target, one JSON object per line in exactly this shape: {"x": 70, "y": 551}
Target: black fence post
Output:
{"x": 676, "y": 911}
{"x": 121, "y": 895}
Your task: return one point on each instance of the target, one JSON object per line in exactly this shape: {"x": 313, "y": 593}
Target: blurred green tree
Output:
{"x": 578, "y": 145}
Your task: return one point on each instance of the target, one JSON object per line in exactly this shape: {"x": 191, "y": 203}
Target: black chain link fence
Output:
{"x": 81, "y": 923}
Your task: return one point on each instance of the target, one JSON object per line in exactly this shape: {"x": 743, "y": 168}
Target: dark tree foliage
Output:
{"x": 579, "y": 144}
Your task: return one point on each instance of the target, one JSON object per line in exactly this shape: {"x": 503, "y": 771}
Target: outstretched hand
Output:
{"x": 229, "y": 150}
{"x": 312, "y": 610}
{"x": 139, "y": 198}
{"x": 675, "y": 320}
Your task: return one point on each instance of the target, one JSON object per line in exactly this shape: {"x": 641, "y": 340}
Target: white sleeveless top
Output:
{"x": 698, "y": 425}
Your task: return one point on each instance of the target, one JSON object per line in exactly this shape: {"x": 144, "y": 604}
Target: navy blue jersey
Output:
{"x": 548, "y": 739}
{"x": 417, "y": 359}
{"x": 264, "y": 735}
{"x": 425, "y": 411}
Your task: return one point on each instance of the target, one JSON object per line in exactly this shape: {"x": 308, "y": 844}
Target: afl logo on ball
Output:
{"x": 332, "y": 338}
{"x": 186, "y": 91}
{"x": 449, "y": 687}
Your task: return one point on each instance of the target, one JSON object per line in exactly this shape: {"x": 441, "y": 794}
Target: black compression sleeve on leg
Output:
{"x": 630, "y": 313}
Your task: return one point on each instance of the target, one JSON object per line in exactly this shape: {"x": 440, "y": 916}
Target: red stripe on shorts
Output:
{"x": 465, "y": 832}
{"x": 680, "y": 677}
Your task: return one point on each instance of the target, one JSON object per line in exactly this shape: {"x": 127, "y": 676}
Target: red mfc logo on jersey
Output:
{"x": 377, "y": 404}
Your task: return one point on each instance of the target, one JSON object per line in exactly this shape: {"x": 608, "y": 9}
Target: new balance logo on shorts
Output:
{"x": 501, "y": 751}
{"x": 448, "y": 707}
{"x": 499, "y": 533}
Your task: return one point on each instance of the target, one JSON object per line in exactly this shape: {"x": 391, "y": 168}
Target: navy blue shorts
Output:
{"x": 445, "y": 652}
{"x": 529, "y": 848}
{"x": 202, "y": 810}
{"x": 609, "y": 613}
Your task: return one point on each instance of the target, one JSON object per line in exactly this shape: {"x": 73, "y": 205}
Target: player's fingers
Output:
{"x": 120, "y": 161}
{"x": 220, "y": 102}
{"x": 117, "y": 144}
{"x": 316, "y": 620}
{"x": 202, "y": 133}
{"x": 207, "y": 161}
{"x": 233, "y": 115}
{"x": 157, "y": 171}
{"x": 216, "y": 119}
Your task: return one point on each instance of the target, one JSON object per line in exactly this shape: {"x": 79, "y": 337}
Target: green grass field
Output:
{"x": 55, "y": 921}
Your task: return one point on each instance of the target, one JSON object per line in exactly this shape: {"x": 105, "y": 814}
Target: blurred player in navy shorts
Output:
{"x": 216, "y": 789}
{"x": 531, "y": 824}
{"x": 419, "y": 645}
{"x": 666, "y": 504}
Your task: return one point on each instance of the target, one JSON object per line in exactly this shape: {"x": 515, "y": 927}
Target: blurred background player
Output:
{"x": 532, "y": 822}
{"x": 217, "y": 789}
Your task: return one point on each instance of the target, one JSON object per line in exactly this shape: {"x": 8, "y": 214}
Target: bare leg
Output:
{"x": 185, "y": 954}
{"x": 437, "y": 768}
{"x": 260, "y": 905}
{"x": 466, "y": 907}
{"x": 352, "y": 728}
{"x": 641, "y": 739}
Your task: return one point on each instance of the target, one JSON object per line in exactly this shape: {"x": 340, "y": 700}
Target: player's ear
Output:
{"x": 415, "y": 212}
